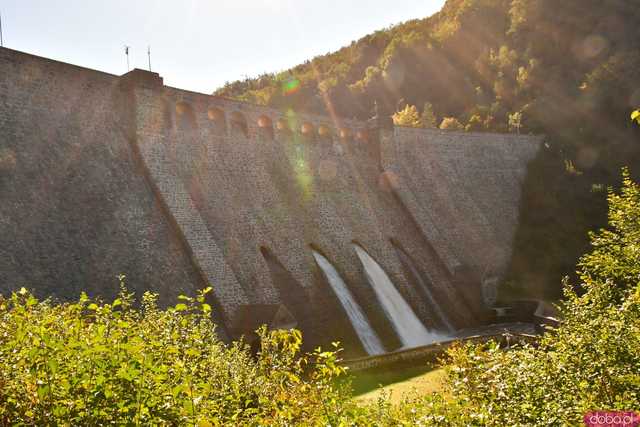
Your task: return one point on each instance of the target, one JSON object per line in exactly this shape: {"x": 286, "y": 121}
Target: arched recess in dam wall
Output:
{"x": 230, "y": 178}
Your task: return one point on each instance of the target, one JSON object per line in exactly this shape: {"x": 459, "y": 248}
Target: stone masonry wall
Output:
{"x": 288, "y": 192}
{"x": 75, "y": 211}
{"x": 466, "y": 190}
{"x": 176, "y": 189}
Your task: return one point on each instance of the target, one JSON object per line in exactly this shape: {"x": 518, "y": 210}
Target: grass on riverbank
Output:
{"x": 398, "y": 384}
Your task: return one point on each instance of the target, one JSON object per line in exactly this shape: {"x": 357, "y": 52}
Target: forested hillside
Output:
{"x": 568, "y": 69}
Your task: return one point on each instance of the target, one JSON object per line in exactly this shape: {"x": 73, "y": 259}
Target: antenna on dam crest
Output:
{"x": 126, "y": 52}
{"x": 149, "y": 56}
{"x": 1, "y": 39}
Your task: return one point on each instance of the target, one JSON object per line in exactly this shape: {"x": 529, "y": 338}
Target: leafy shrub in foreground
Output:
{"x": 591, "y": 362}
{"x": 90, "y": 363}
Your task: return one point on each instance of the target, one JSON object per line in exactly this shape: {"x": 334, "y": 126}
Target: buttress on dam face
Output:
{"x": 378, "y": 236}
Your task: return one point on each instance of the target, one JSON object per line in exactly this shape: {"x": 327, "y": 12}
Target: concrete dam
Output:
{"x": 378, "y": 236}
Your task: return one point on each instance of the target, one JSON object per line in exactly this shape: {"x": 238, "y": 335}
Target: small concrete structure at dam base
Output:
{"x": 102, "y": 175}
{"x": 505, "y": 335}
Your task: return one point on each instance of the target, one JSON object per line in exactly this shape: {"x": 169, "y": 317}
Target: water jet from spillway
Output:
{"x": 369, "y": 339}
{"x": 410, "y": 330}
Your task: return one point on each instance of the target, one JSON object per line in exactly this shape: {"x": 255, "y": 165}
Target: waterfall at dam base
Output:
{"x": 369, "y": 339}
{"x": 410, "y": 330}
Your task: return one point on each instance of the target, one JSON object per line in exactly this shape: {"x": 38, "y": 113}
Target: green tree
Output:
{"x": 92, "y": 363}
{"x": 451, "y": 123}
{"x": 407, "y": 117}
{"x": 428, "y": 118}
{"x": 616, "y": 249}
{"x": 489, "y": 122}
{"x": 515, "y": 121}
{"x": 474, "y": 124}
{"x": 590, "y": 361}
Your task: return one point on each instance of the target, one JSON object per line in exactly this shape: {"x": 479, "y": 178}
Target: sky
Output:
{"x": 197, "y": 44}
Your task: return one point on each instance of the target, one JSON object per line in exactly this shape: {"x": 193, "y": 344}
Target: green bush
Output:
{"x": 591, "y": 362}
{"x": 91, "y": 363}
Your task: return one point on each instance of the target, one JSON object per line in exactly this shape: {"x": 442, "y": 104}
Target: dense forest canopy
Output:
{"x": 566, "y": 69}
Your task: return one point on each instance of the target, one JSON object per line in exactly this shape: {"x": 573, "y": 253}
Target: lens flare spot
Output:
{"x": 301, "y": 171}
{"x": 290, "y": 86}
{"x": 593, "y": 46}
{"x": 292, "y": 119}
{"x": 304, "y": 178}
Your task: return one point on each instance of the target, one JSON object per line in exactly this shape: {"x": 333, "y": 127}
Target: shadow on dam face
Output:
{"x": 424, "y": 284}
{"x": 293, "y": 296}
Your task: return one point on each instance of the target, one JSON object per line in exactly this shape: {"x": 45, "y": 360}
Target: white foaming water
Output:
{"x": 410, "y": 330}
{"x": 365, "y": 332}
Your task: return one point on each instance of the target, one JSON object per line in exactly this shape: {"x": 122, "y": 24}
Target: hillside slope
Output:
{"x": 570, "y": 69}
